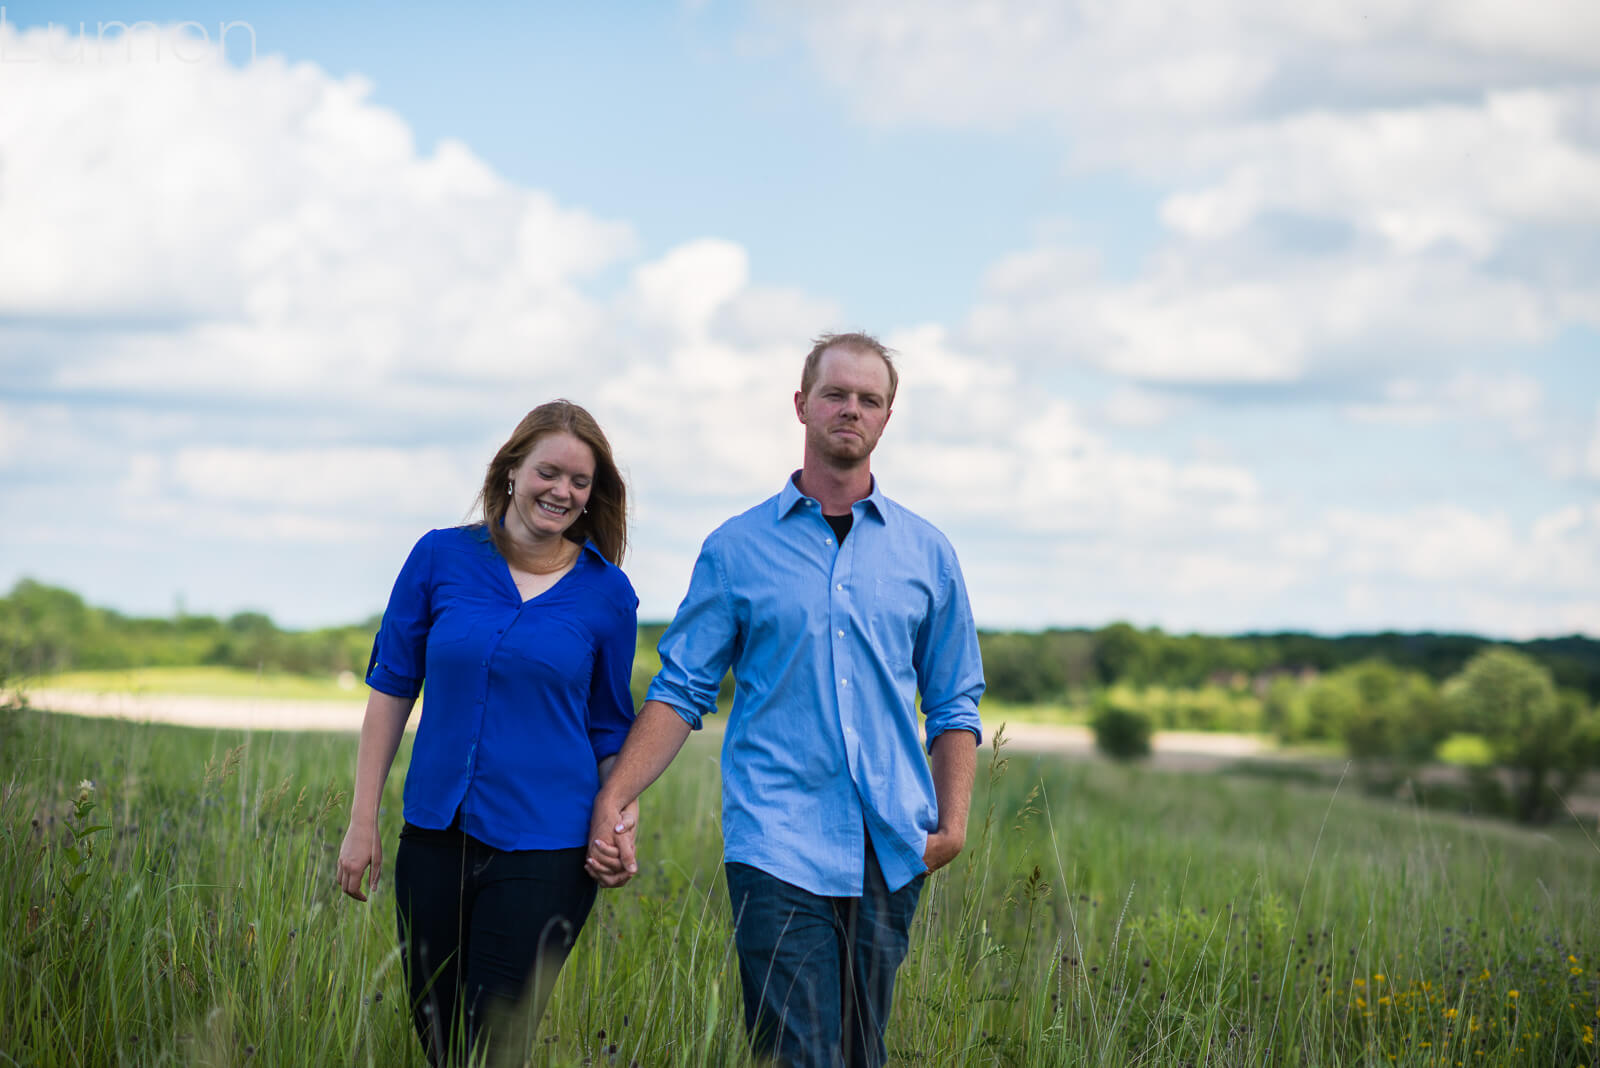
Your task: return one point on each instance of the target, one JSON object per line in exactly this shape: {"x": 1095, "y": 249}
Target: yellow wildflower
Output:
{"x": 1513, "y": 995}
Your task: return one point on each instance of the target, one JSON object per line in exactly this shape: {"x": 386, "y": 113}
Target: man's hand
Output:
{"x": 955, "y": 762}
{"x": 943, "y": 847}
{"x": 612, "y": 837}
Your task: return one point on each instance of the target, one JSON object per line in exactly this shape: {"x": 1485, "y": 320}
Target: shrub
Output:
{"x": 1121, "y": 733}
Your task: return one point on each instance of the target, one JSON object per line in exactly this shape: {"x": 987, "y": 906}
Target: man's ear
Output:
{"x": 800, "y": 405}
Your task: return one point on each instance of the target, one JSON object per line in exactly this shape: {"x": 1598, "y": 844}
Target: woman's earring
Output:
{"x": 510, "y": 486}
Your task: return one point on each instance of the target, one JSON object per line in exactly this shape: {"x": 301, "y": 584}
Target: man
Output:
{"x": 834, "y": 607}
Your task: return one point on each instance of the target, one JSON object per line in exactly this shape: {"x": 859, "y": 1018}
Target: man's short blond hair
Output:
{"x": 857, "y": 341}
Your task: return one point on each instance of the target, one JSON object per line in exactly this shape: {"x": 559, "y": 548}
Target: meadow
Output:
{"x": 167, "y": 897}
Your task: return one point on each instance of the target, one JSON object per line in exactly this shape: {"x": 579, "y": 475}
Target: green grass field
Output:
{"x": 206, "y": 682}
{"x": 183, "y": 911}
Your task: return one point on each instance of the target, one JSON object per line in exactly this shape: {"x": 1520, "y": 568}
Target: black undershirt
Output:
{"x": 840, "y": 524}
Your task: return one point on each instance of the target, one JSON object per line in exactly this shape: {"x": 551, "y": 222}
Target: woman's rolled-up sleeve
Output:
{"x": 400, "y": 651}
{"x": 610, "y": 692}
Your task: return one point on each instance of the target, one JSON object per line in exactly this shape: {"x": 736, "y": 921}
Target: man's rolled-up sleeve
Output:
{"x": 948, "y": 662}
{"x": 698, "y": 646}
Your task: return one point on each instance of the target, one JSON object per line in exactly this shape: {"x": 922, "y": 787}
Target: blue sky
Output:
{"x": 1267, "y": 319}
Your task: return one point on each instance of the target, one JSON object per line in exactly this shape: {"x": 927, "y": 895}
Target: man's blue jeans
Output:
{"x": 818, "y": 972}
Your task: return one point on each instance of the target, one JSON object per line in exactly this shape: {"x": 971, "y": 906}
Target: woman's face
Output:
{"x": 550, "y": 487}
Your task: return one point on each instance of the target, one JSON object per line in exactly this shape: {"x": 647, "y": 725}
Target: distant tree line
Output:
{"x": 46, "y": 629}
{"x": 1054, "y": 665}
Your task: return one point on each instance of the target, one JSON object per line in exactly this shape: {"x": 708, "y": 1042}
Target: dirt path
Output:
{"x": 246, "y": 713}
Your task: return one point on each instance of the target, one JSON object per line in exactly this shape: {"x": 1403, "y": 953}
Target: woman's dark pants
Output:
{"x": 485, "y": 932}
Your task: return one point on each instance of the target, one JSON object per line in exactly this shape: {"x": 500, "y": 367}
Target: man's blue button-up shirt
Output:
{"x": 829, "y": 645}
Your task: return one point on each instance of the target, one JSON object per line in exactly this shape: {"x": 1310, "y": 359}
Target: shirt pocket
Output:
{"x": 556, "y": 650}
{"x": 899, "y": 605}
{"x": 452, "y": 626}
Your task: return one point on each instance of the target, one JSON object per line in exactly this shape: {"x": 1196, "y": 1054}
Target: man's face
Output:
{"x": 845, "y": 412}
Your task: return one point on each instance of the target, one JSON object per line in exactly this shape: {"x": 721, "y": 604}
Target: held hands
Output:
{"x": 612, "y": 833}
{"x": 943, "y": 847}
{"x": 362, "y": 848}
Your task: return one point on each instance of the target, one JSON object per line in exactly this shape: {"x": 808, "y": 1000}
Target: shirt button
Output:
{"x": 841, "y": 634}
{"x": 827, "y": 541}
{"x": 840, "y": 587}
{"x": 844, "y": 682}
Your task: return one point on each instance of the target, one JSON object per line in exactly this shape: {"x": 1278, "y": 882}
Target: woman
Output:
{"x": 523, "y": 627}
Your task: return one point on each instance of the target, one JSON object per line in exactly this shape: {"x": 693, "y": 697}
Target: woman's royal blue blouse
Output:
{"x": 524, "y": 697}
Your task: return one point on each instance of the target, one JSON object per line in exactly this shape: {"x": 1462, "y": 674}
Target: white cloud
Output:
{"x": 1446, "y": 544}
{"x": 1190, "y": 320}
{"x": 1592, "y": 460}
{"x": 1130, "y": 406}
{"x": 967, "y": 438}
{"x": 10, "y": 437}
{"x": 1514, "y": 400}
{"x": 1456, "y": 176}
{"x": 298, "y": 329}
{"x": 275, "y": 229}
{"x": 1337, "y": 179}
{"x": 1154, "y": 62}
{"x": 362, "y": 477}
{"x": 686, "y": 288}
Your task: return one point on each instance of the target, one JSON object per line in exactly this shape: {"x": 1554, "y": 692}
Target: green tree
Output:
{"x": 1284, "y": 709}
{"x": 1397, "y": 718}
{"x": 1331, "y": 702}
{"x": 41, "y": 627}
{"x": 1122, "y": 654}
{"x": 1540, "y": 736}
{"x": 1017, "y": 668}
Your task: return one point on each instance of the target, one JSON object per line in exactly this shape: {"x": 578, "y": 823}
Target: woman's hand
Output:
{"x": 361, "y": 852}
{"x": 612, "y": 838}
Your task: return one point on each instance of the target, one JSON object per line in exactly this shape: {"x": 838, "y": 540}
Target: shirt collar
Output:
{"x": 876, "y": 504}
